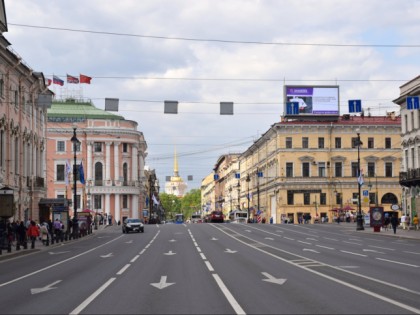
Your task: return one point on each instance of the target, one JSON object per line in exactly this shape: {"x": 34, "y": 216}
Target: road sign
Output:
{"x": 413, "y": 102}
{"x": 292, "y": 108}
{"x": 355, "y": 106}
{"x": 365, "y": 193}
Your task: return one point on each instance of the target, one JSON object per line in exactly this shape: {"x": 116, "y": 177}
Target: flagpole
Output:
{"x": 359, "y": 214}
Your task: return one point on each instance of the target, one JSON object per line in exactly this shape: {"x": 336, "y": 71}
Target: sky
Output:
{"x": 203, "y": 52}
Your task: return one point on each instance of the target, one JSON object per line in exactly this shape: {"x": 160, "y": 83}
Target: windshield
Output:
{"x": 133, "y": 221}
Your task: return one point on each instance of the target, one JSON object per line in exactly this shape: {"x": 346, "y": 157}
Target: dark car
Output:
{"x": 133, "y": 225}
{"x": 217, "y": 216}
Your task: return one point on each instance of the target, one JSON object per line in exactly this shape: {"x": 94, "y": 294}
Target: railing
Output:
{"x": 411, "y": 176}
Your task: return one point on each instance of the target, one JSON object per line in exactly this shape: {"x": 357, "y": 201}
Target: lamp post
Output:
{"x": 359, "y": 212}
{"x": 247, "y": 197}
{"x": 150, "y": 198}
{"x": 75, "y": 141}
{"x": 230, "y": 197}
{"x": 239, "y": 195}
{"x": 157, "y": 206}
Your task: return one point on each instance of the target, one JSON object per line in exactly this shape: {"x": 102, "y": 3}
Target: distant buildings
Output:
{"x": 176, "y": 185}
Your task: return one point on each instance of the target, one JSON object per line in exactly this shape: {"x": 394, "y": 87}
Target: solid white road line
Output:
{"x": 397, "y": 262}
{"x": 232, "y": 301}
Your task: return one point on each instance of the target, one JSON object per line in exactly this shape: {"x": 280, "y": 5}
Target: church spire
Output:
{"x": 176, "y": 173}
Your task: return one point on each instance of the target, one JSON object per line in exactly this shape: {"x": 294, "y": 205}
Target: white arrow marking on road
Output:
{"x": 129, "y": 242}
{"x": 46, "y": 288}
{"x": 107, "y": 256}
{"x": 372, "y": 250}
{"x": 57, "y": 253}
{"x": 169, "y": 253}
{"x": 272, "y": 279}
{"x": 230, "y": 251}
{"x": 162, "y": 284}
{"x": 269, "y": 238}
{"x": 214, "y": 239}
{"x": 172, "y": 240}
{"x": 310, "y": 250}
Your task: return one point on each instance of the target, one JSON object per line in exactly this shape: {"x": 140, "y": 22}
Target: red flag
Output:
{"x": 85, "y": 79}
{"x": 71, "y": 79}
{"x": 49, "y": 81}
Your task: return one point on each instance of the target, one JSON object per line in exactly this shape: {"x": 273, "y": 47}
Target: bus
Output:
{"x": 238, "y": 216}
{"x": 179, "y": 218}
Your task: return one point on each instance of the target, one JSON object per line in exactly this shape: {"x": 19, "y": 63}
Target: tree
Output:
{"x": 171, "y": 204}
{"x": 191, "y": 203}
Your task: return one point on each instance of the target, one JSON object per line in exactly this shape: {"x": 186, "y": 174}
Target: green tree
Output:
{"x": 171, "y": 204}
{"x": 191, "y": 203}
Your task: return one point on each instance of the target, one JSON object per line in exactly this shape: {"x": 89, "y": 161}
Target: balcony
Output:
{"x": 410, "y": 178}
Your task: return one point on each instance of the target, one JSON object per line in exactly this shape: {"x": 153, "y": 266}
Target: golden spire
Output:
{"x": 176, "y": 173}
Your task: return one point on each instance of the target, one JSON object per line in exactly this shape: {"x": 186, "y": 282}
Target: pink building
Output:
{"x": 112, "y": 152}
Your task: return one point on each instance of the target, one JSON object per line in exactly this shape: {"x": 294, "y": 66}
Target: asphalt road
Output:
{"x": 218, "y": 269}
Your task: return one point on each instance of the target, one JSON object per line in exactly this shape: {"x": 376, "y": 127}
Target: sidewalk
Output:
{"x": 40, "y": 247}
{"x": 408, "y": 234}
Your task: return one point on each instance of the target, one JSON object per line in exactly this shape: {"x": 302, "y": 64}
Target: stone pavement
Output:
{"x": 408, "y": 234}
{"x": 40, "y": 247}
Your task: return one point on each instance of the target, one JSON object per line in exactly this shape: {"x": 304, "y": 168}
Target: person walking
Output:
{"x": 32, "y": 233}
{"x": 403, "y": 218}
{"x": 21, "y": 235}
{"x": 416, "y": 222}
{"x": 394, "y": 222}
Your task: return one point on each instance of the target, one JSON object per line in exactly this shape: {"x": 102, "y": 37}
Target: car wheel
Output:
{"x": 123, "y": 231}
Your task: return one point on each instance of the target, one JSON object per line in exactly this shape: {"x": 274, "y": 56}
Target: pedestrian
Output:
{"x": 57, "y": 230}
{"x": 394, "y": 222}
{"x": 45, "y": 233}
{"x": 386, "y": 223}
{"x": 403, "y": 217}
{"x": 21, "y": 235}
{"x": 32, "y": 233}
{"x": 416, "y": 222}
{"x": 408, "y": 221}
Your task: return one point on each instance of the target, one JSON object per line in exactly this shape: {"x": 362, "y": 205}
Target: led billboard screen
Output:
{"x": 313, "y": 100}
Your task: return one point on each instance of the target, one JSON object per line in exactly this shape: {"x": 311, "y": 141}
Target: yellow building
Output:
{"x": 311, "y": 167}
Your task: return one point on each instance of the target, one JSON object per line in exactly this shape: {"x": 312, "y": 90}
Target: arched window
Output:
{"x": 125, "y": 174}
{"x": 98, "y": 174}
{"x": 389, "y": 198}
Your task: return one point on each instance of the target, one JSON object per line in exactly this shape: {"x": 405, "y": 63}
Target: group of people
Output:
{"x": 405, "y": 222}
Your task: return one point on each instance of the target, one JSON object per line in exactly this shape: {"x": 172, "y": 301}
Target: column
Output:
{"x": 116, "y": 161}
{"x": 89, "y": 161}
{"x": 117, "y": 208}
{"x": 134, "y": 163}
{"x": 107, "y": 206}
{"x": 108, "y": 161}
{"x": 135, "y": 206}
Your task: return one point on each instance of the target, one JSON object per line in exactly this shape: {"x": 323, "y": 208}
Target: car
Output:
{"x": 132, "y": 225}
{"x": 217, "y": 216}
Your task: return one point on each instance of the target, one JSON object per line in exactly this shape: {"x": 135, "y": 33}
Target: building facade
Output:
{"x": 24, "y": 99}
{"x": 176, "y": 185}
{"x": 112, "y": 152}
{"x": 410, "y": 146}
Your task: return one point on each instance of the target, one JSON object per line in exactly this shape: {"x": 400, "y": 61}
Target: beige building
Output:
{"x": 311, "y": 167}
{"x": 112, "y": 152}
{"x": 410, "y": 145}
{"x": 176, "y": 185}
{"x": 24, "y": 99}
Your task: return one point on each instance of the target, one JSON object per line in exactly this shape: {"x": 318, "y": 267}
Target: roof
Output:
{"x": 390, "y": 120}
{"x": 72, "y": 109}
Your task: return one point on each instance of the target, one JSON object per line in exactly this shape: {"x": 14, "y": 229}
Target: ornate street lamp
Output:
{"x": 75, "y": 142}
{"x": 359, "y": 212}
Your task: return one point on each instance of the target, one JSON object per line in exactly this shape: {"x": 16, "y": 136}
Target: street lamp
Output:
{"x": 75, "y": 142}
{"x": 247, "y": 197}
{"x": 359, "y": 213}
{"x": 239, "y": 195}
{"x": 230, "y": 197}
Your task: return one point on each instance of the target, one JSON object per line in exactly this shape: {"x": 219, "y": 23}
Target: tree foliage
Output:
{"x": 186, "y": 205}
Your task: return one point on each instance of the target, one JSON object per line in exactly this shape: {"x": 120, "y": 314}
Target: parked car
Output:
{"x": 217, "y": 216}
{"x": 133, "y": 225}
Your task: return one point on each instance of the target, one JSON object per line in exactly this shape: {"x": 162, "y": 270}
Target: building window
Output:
{"x": 372, "y": 198}
{"x": 338, "y": 168}
{"x": 371, "y": 143}
{"x": 323, "y": 198}
{"x": 338, "y": 143}
{"x": 289, "y": 143}
{"x": 289, "y": 169}
{"x": 125, "y": 147}
{"x": 354, "y": 142}
{"x": 305, "y": 169}
{"x": 1, "y": 87}
{"x": 125, "y": 201}
{"x": 388, "y": 169}
{"x": 290, "y": 198}
{"x": 97, "y": 202}
{"x": 355, "y": 198}
{"x": 354, "y": 169}
{"x": 78, "y": 202}
{"x": 125, "y": 174}
{"x": 338, "y": 198}
{"x": 17, "y": 159}
{"x": 60, "y": 175}
{"x": 305, "y": 142}
{"x": 321, "y": 169}
{"x": 97, "y": 146}
{"x": 16, "y": 99}
{"x": 387, "y": 143}
{"x": 371, "y": 169}
{"x": 60, "y": 196}
{"x": 321, "y": 143}
{"x": 1, "y": 147}
{"x": 61, "y": 147}
{"x": 306, "y": 198}
{"x": 98, "y": 174}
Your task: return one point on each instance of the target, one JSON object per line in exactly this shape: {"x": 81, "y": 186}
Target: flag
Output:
{"x": 85, "y": 79}
{"x": 71, "y": 79}
{"x": 48, "y": 83}
{"x": 57, "y": 80}
{"x": 67, "y": 172}
{"x": 360, "y": 180}
{"x": 81, "y": 173}
{"x": 155, "y": 201}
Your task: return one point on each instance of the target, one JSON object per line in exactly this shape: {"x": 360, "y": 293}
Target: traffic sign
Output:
{"x": 292, "y": 108}
{"x": 355, "y": 106}
{"x": 365, "y": 193}
{"x": 413, "y": 102}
